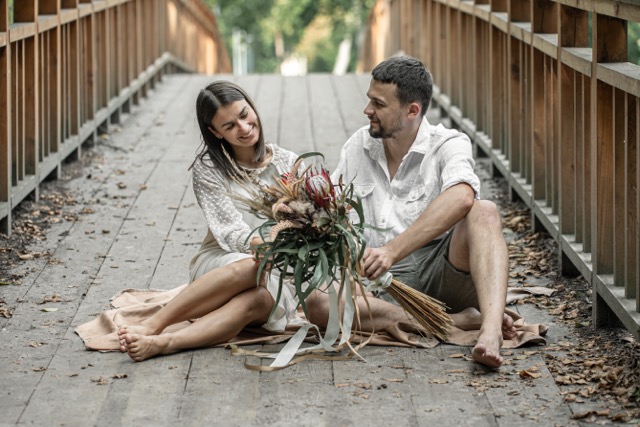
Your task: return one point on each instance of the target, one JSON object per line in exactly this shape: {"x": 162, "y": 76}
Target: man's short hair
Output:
{"x": 412, "y": 79}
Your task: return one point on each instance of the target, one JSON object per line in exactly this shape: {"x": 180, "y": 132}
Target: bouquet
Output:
{"x": 310, "y": 238}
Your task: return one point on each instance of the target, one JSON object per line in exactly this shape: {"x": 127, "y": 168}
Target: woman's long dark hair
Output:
{"x": 219, "y": 94}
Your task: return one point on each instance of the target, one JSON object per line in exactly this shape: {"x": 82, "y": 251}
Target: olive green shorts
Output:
{"x": 429, "y": 271}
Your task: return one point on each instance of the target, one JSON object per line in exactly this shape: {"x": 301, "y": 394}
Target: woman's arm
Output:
{"x": 223, "y": 218}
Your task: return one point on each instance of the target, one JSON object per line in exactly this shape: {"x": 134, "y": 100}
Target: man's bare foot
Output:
{"x": 470, "y": 319}
{"x": 487, "y": 351}
{"x": 138, "y": 330}
{"x": 143, "y": 347}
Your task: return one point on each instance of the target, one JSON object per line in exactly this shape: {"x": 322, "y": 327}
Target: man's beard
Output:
{"x": 384, "y": 133}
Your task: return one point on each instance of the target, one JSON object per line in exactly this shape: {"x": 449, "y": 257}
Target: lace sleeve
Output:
{"x": 223, "y": 218}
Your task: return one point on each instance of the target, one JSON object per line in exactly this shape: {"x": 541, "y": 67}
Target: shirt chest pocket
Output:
{"x": 417, "y": 201}
{"x": 365, "y": 193}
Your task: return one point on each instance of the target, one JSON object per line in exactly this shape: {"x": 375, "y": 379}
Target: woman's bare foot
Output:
{"x": 470, "y": 319}
{"x": 137, "y": 329}
{"x": 143, "y": 347}
{"x": 487, "y": 351}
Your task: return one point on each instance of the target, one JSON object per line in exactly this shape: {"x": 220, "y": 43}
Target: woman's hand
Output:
{"x": 255, "y": 241}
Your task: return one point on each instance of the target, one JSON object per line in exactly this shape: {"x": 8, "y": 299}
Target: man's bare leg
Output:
{"x": 251, "y": 306}
{"x": 204, "y": 295}
{"x": 394, "y": 320}
{"x": 478, "y": 246}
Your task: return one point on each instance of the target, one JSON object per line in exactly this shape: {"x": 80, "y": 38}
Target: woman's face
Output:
{"x": 237, "y": 123}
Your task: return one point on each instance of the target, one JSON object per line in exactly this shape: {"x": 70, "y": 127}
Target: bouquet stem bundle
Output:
{"x": 428, "y": 312}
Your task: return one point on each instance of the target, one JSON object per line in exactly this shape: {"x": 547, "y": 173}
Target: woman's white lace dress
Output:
{"x": 230, "y": 225}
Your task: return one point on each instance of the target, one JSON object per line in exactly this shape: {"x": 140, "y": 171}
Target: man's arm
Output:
{"x": 444, "y": 212}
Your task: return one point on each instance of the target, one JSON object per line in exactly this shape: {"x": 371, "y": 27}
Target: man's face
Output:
{"x": 383, "y": 110}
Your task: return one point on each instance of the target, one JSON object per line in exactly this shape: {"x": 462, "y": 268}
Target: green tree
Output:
{"x": 633, "y": 34}
{"x": 275, "y": 27}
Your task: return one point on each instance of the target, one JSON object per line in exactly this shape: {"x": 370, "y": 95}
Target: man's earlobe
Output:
{"x": 414, "y": 109}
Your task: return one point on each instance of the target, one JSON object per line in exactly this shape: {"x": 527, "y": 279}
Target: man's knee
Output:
{"x": 485, "y": 213}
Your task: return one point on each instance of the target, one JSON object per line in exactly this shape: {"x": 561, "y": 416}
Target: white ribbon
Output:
{"x": 292, "y": 348}
{"x": 378, "y": 284}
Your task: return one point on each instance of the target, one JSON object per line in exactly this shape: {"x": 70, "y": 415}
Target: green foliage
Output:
{"x": 266, "y": 21}
{"x": 634, "y": 42}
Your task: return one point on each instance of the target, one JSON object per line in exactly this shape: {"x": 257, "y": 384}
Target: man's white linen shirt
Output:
{"x": 438, "y": 159}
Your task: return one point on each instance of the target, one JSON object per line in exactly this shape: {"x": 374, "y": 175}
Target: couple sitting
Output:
{"x": 417, "y": 184}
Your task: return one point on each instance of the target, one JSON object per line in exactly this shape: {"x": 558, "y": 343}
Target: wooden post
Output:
{"x": 610, "y": 45}
{"x": 5, "y": 119}
{"x": 566, "y": 126}
{"x": 520, "y": 10}
{"x": 27, "y": 12}
{"x": 634, "y": 130}
{"x": 514, "y": 112}
{"x": 589, "y": 143}
{"x": 539, "y": 126}
{"x": 545, "y": 16}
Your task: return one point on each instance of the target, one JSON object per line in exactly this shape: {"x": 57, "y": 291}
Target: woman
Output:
{"x": 223, "y": 294}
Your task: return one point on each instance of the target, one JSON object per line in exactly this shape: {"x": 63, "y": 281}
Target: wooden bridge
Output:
{"x": 554, "y": 114}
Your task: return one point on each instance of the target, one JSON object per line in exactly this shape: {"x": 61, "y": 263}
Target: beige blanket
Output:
{"x": 131, "y": 306}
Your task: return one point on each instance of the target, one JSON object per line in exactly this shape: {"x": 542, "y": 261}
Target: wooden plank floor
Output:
{"x": 140, "y": 226}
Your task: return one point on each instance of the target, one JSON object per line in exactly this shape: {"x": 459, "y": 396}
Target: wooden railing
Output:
{"x": 69, "y": 67}
{"x": 558, "y": 115}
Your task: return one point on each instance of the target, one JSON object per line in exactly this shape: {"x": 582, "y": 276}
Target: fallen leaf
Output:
{"x": 100, "y": 381}
{"x": 527, "y": 374}
{"x": 393, "y": 380}
{"x": 456, "y": 355}
{"x": 39, "y": 369}
{"x": 48, "y": 309}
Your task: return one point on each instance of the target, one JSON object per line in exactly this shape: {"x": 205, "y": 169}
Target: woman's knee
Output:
{"x": 260, "y": 303}
{"x": 318, "y": 308}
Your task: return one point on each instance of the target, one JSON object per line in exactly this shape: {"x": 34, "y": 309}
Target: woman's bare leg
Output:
{"x": 204, "y": 295}
{"x": 251, "y": 306}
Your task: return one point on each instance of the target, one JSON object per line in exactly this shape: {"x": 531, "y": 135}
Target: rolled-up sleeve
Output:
{"x": 457, "y": 163}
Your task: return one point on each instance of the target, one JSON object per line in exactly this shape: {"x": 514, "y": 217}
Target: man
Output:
{"x": 418, "y": 187}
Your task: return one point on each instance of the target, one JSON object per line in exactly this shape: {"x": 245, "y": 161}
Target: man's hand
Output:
{"x": 376, "y": 262}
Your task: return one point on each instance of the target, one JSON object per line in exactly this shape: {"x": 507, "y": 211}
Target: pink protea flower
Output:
{"x": 319, "y": 187}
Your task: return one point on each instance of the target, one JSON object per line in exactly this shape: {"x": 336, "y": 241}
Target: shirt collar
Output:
{"x": 420, "y": 145}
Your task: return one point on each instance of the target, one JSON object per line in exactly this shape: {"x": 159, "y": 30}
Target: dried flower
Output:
{"x": 319, "y": 187}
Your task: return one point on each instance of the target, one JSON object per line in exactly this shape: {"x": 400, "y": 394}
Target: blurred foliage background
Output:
{"x": 275, "y": 30}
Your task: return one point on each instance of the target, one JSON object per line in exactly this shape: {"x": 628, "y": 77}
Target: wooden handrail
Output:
{"x": 560, "y": 119}
{"x": 69, "y": 67}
